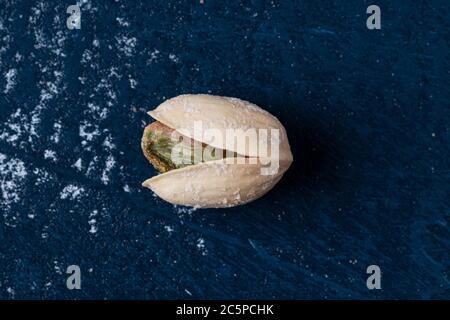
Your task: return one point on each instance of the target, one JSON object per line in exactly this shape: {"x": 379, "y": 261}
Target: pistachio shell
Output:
{"x": 214, "y": 184}
{"x": 220, "y": 113}
{"x": 217, "y": 184}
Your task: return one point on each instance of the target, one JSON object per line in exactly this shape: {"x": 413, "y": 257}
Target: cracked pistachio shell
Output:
{"x": 216, "y": 184}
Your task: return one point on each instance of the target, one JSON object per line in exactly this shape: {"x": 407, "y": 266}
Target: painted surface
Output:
{"x": 367, "y": 114}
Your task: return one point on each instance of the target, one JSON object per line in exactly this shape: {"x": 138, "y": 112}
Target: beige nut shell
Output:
{"x": 220, "y": 183}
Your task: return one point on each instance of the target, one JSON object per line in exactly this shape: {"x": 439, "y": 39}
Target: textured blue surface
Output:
{"x": 367, "y": 114}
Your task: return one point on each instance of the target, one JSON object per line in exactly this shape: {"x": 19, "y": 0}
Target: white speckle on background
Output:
{"x": 42, "y": 176}
{"x": 92, "y": 166}
{"x": 11, "y": 291}
{"x": 12, "y": 174}
{"x": 86, "y": 132}
{"x": 71, "y": 192}
{"x": 10, "y": 78}
{"x": 153, "y": 56}
{"x": 15, "y": 127}
{"x": 110, "y": 162}
{"x": 96, "y": 110}
{"x": 105, "y": 88}
{"x": 44, "y": 233}
{"x": 108, "y": 143}
{"x": 78, "y": 165}
{"x": 355, "y": 261}
{"x": 22, "y": 128}
{"x": 86, "y": 56}
{"x": 169, "y": 229}
{"x": 18, "y": 57}
{"x": 201, "y": 246}
{"x": 126, "y": 188}
{"x": 55, "y": 137}
{"x": 174, "y": 58}
{"x": 86, "y": 5}
{"x": 50, "y": 154}
{"x": 122, "y": 22}
{"x": 133, "y": 84}
{"x": 126, "y": 45}
{"x": 57, "y": 267}
{"x": 93, "y": 222}
{"x": 184, "y": 210}
{"x": 93, "y": 226}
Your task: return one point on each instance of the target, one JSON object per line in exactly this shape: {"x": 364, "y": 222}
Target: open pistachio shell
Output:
{"x": 212, "y": 184}
{"x": 218, "y": 183}
{"x": 220, "y": 113}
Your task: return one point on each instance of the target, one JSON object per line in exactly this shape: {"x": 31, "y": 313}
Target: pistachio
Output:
{"x": 201, "y": 163}
{"x": 159, "y": 141}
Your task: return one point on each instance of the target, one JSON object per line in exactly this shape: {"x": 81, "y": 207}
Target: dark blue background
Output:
{"x": 367, "y": 114}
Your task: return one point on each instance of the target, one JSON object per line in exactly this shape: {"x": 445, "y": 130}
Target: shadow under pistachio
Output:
{"x": 315, "y": 159}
